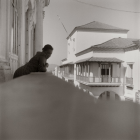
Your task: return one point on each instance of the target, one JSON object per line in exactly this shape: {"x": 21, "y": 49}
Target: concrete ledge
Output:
{"x": 43, "y": 107}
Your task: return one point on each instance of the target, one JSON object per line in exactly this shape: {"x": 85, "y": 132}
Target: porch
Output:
{"x": 67, "y": 71}
{"x": 99, "y": 81}
{"x": 99, "y": 71}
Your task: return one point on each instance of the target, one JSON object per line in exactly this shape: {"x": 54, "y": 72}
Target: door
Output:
{"x": 105, "y": 73}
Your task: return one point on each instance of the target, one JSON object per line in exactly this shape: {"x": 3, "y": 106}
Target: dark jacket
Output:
{"x": 36, "y": 64}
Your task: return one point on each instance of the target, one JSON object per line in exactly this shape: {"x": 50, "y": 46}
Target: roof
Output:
{"x": 137, "y": 42}
{"x": 69, "y": 63}
{"x": 117, "y": 43}
{"x": 100, "y": 59}
{"x": 98, "y": 26}
{"x": 64, "y": 59}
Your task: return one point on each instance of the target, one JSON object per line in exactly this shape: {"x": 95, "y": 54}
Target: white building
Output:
{"x": 21, "y": 33}
{"x": 99, "y": 54}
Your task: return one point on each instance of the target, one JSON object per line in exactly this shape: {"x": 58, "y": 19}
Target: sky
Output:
{"x": 71, "y": 13}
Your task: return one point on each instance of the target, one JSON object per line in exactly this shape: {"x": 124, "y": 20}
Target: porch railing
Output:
{"x": 68, "y": 75}
{"x": 107, "y": 79}
{"x": 129, "y": 81}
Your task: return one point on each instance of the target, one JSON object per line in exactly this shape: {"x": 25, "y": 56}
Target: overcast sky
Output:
{"x": 120, "y": 13}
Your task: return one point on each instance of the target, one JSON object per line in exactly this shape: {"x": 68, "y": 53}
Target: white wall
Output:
{"x": 71, "y": 47}
{"x": 84, "y": 56}
{"x": 94, "y": 69}
{"x": 88, "y": 39}
{"x": 133, "y": 56}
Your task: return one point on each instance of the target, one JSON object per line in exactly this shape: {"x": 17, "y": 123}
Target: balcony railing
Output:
{"x": 68, "y": 75}
{"x": 129, "y": 81}
{"x": 105, "y": 79}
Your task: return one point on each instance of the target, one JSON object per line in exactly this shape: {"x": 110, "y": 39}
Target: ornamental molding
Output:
{"x": 31, "y": 16}
{"x": 44, "y": 3}
{"x": 29, "y": 4}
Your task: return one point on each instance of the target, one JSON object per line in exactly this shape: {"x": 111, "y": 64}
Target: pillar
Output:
{"x": 120, "y": 72}
{"x": 88, "y": 72}
{"x": 109, "y": 73}
{"x": 5, "y": 70}
{"x": 99, "y": 74}
{"x": 39, "y": 26}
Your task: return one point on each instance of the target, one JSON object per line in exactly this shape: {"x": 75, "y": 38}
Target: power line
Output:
{"x": 62, "y": 24}
{"x": 105, "y": 7}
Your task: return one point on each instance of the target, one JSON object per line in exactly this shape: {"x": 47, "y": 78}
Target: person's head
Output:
{"x": 47, "y": 49}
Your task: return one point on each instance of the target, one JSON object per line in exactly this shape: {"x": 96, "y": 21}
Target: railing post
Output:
{"x": 109, "y": 74}
{"x": 88, "y": 72}
{"x": 119, "y": 80}
{"x": 99, "y": 72}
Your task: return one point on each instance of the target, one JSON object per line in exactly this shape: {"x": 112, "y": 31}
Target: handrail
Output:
{"x": 104, "y": 79}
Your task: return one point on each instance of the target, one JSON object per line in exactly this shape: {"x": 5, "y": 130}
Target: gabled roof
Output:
{"x": 117, "y": 43}
{"x": 98, "y": 26}
{"x": 100, "y": 59}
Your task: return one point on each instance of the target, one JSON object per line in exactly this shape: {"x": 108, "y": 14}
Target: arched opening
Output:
{"x": 109, "y": 95}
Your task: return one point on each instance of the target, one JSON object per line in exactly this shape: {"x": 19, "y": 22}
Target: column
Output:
{"x": 88, "y": 72}
{"x": 3, "y": 30}
{"x": 109, "y": 72}
{"x": 5, "y": 40}
{"x": 39, "y": 26}
{"x": 99, "y": 73}
{"x": 76, "y": 71}
{"x": 119, "y": 80}
{"x": 85, "y": 72}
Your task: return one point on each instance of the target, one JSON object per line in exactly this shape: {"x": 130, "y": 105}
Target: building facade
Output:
{"x": 102, "y": 66}
{"x": 21, "y": 33}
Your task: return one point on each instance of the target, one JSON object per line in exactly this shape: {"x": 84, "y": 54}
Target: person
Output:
{"x": 36, "y": 63}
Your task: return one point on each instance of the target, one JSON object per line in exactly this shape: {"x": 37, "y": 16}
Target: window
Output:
{"x": 104, "y": 69}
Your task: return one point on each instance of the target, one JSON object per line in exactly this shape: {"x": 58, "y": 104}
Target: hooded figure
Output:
{"x": 36, "y": 63}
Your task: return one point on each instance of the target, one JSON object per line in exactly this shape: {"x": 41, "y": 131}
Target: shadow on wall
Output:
{"x": 109, "y": 95}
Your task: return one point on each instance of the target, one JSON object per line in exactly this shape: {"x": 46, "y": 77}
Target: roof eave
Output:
{"x": 103, "y": 30}
{"x": 73, "y": 31}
